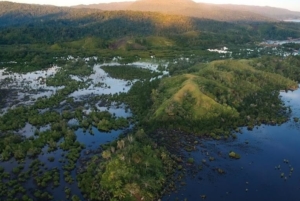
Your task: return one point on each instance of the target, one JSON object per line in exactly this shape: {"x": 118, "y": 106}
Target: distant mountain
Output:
{"x": 107, "y": 6}
{"x": 15, "y": 13}
{"x": 19, "y": 13}
{"x": 202, "y": 10}
{"x": 183, "y": 7}
{"x": 272, "y": 12}
{"x": 28, "y": 24}
{"x": 163, "y": 6}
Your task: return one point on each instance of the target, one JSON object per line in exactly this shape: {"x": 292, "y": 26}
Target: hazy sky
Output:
{"x": 289, "y": 4}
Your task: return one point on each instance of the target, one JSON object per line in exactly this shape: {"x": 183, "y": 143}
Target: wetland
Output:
{"x": 98, "y": 106}
{"x": 80, "y": 123}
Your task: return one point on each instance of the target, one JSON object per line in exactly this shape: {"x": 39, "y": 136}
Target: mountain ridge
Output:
{"x": 202, "y": 10}
{"x": 273, "y": 12}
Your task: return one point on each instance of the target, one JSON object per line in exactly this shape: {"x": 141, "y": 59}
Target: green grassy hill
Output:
{"x": 217, "y": 95}
{"x": 183, "y": 97}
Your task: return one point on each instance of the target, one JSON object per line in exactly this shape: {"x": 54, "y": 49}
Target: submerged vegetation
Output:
{"x": 191, "y": 93}
{"x": 130, "y": 72}
{"x": 60, "y": 135}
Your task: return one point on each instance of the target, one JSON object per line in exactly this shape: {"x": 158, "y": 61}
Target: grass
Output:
{"x": 156, "y": 41}
{"x": 218, "y": 96}
{"x": 190, "y": 91}
{"x": 85, "y": 43}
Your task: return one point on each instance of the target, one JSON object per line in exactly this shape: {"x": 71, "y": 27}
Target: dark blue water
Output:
{"x": 253, "y": 177}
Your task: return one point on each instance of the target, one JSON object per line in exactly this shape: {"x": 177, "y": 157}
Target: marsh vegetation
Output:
{"x": 99, "y": 116}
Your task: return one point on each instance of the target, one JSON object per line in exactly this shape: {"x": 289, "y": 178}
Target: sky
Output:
{"x": 289, "y": 4}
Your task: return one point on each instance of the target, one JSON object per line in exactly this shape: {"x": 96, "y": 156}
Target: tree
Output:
{"x": 106, "y": 154}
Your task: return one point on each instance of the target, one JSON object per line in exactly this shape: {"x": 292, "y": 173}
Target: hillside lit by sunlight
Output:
{"x": 289, "y": 4}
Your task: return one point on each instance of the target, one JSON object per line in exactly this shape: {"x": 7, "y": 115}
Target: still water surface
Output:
{"x": 256, "y": 175}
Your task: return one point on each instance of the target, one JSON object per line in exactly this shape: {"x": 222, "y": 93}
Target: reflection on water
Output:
{"x": 30, "y": 86}
{"x": 102, "y": 83}
{"x": 256, "y": 175}
{"x": 280, "y": 42}
{"x": 297, "y": 20}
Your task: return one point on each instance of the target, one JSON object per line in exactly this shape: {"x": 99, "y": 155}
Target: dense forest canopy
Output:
{"x": 49, "y": 24}
{"x": 39, "y": 33}
{"x": 222, "y": 12}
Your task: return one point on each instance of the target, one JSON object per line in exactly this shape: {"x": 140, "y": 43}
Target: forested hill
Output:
{"x": 272, "y": 12}
{"x": 27, "y": 24}
{"x": 202, "y": 10}
{"x": 109, "y": 25}
{"x": 199, "y": 10}
{"x": 107, "y": 6}
{"x": 18, "y": 13}
{"x": 184, "y": 7}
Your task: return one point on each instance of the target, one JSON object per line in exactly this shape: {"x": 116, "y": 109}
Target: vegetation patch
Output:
{"x": 234, "y": 155}
{"x": 127, "y": 72}
{"x": 219, "y": 96}
{"x": 130, "y": 169}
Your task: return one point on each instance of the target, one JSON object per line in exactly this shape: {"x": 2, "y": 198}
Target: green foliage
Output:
{"x": 43, "y": 119}
{"x": 48, "y": 177}
{"x": 288, "y": 67}
{"x": 129, "y": 72}
{"x": 62, "y": 78}
{"x": 279, "y": 31}
{"x": 134, "y": 169}
{"x": 157, "y": 42}
{"x": 218, "y": 96}
{"x": 38, "y": 36}
{"x": 190, "y": 160}
{"x": 234, "y": 155}
{"x": 9, "y": 121}
{"x": 139, "y": 97}
{"x": 104, "y": 121}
